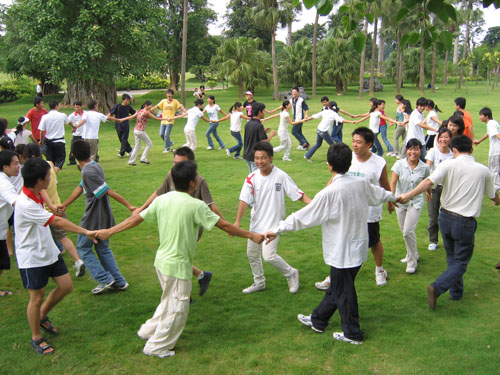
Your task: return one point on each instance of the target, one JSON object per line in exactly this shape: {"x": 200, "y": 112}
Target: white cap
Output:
{"x": 22, "y": 120}
{"x": 249, "y": 93}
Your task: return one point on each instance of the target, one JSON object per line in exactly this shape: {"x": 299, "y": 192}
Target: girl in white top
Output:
{"x": 235, "y": 114}
{"x": 193, "y": 116}
{"x": 22, "y": 135}
{"x": 492, "y": 132}
{"x": 212, "y": 110}
{"x": 433, "y": 121}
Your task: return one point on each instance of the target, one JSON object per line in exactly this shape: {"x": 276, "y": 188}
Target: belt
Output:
{"x": 456, "y": 215}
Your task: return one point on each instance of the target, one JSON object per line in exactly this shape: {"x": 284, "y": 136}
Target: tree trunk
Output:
{"x": 466, "y": 42}
{"x": 240, "y": 88}
{"x": 338, "y": 86}
{"x": 373, "y": 58}
{"x": 289, "y": 37}
{"x": 399, "y": 59}
{"x": 83, "y": 90}
{"x": 50, "y": 89}
{"x": 477, "y": 74}
{"x": 184, "y": 51}
{"x": 362, "y": 65}
{"x": 455, "y": 50}
{"x": 275, "y": 67}
{"x": 314, "y": 52}
{"x": 345, "y": 86}
{"x": 433, "y": 74}
{"x": 421, "y": 82}
{"x": 445, "y": 69}
{"x": 174, "y": 77}
{"x": 381, "y": 42}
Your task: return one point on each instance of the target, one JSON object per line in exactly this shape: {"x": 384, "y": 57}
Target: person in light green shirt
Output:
{"x": 178, "y": 234}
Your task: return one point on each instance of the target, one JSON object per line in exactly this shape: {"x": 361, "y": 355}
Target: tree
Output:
{"x": 492, "y": 36}
{"x": 184, "y": 50}
{"x": 296, "y": 64}
{"x": 314, "y": 54}
{"x": 308, "y": 32}
{"x": 294, "y": 10}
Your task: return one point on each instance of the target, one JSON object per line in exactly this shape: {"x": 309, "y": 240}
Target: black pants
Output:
{"x": 342, "y": 296}
{"x": 123, "y": 130}
{"x": 72, "y": 159}
{"x": 55, "y": 152}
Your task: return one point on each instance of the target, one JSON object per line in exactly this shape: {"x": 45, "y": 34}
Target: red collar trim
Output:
{"x": 32, "y": 195}
{"x": 76, "y": 113}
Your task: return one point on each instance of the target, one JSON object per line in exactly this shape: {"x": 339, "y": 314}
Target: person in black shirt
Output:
{"x": 123, "y": 128}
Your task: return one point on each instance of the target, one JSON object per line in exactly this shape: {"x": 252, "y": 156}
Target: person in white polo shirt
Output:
{"x": 464, "y": 183}
{"x": 74, "y": 118}
{"x": 493, "y": 133}
{"x": 417, "y": 124}
{"x": 38, "y": 257}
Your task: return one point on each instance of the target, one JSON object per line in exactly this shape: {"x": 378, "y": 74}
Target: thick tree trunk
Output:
{"x": 174, "y": 78}
{"x": 433, "y": 74}
{"x": 275, "y": 67}
{"x": 83, "y": 90}
{"x": 289, "y": 37}
{"x": 314, "y": 53}
{"x": 455, "y": 50}
{"x": 338, "y": 86}
{"x": 421, "y": 82}
{"x": 381, "y": 42}
{"x": 466, "y": 42}
{"x": 477, "y": 74}
{"x": 50, "y": 89}
{"x": 445, "y": 69}
{"x": 374, "y": 57}
{"x": 240, "y": 88}
{"x": 362, "y": 65}
{"x": 184, "y": 51}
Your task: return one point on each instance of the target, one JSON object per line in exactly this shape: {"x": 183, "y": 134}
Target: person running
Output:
{"x": 169, "y": 108}
{"x": 254, "y": 133}
{"x": 193, "y": 117}
{"x": 417, "y": 124}
{"x": 74, "y": 118}
{"x": 175, "y": 255}
{"x": 493, "y": 133}
{"x": 264, "y": 190}
{"x": 235, "y": 115}
{"x": 435, "y": 157}
{"x": 284, "y": 136}
{"x": 23, "y": 135}
{"x": 383, "y": 130}
{"x": 433, "y": 121}
{"x": 401, "y": 119}
{"x": 300, "y": 111}
{"x": 406, "y": 174}
{"x": 213, "y": 110}
{"x": 34, "y": 115}
{"x": 341, "y": 209}
{"x": 469, "y": 127}
{"x": 121, "y": 111}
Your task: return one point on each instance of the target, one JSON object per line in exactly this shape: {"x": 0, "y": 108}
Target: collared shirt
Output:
{"x": 8, "y": 196}
{"x": 53, "y": 123}
{"x": 341, "y": 209}
{"x": 409, "y": 179}
{"x": 328, "y": 118}
{"x": 493, "y": 130}
{"x": 414, "y": 130}
{"x": 34, "y": 244}
{"x": 92, "y": 123}
{"x": 75, "y": 118}
{"x": 299, "y": 105}
{"x": 464, "y": 183}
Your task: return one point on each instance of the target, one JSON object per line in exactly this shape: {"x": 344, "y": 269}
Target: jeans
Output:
{"x": 237, "y": 148}
{"x": 377, "y": 147}
{"x": 383, "y": 131}
{"x": 123, "y": 131}
{"x": 212, "y": 129}
{"x": 103, "y": 270}
{"x": 458, "y": 239}
{"x": 297, "y": 133}
{"x": 251, "y": 166}
{"x": 337, "y": 132}
{"x": 319, "y": 141}
{"x": 165, "y": 130}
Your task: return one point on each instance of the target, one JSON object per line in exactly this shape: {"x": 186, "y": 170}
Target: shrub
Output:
{"x": 14, "y": 89}
{"x": 211, "y": 84}
{"x": 144, "y": 82}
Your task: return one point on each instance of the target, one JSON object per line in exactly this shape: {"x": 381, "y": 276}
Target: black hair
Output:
{"x": 4, "y": 124}
{"x": 91, "y": 104}
{"x": 407, "y": 104}
{"x": 235, "y": 105}
{"x": 444, "y": 124}
{"x": 375, "y": 103}
{"x": 458, "y": 113}
{"x": 37, "y": 100}
{"x": 126, "y": 96}
{"x": 431, "y": 104}
{"x": 170, "y": 91}
{"x": 80, "y": 150}
{"x": 460, "y": 102}
{"x": 414, "y": 142}
{"x": 6, "y": 143}
{"x": 183, "y": 173}
{"x": 325, "y": 99}
{"x": 339, "y": 157}
{"x": 421, "y": 102}
{"x": 399, "y": 98}
{"x": 295, "y": 88}
{"x": 202, "y": 86}
{"x": 459, "y": 121}
{"x": 34, "y": 170}
{"x": 32, "y": 150}
{"x": 381, "y": 101}
{"x": 462, "y": 143}
{"x": 78, "y": 103}
{"x": 147, "y": 102}
{"x": 264, "y": 146}
{"x": 53, "y": 104}
{"x": 198, "y": 102}
{"x": 185, "y": 151}
{"x": 333, "y": 106}
{"x": 486, "y": 112}
{"x": 20, "y": 149}
{"x": 211, "y": 97}
{"x": 6, "y": 158}
{"x": 365, "y": 133}
{"x": 256, "y": 108}
{"x": 443, "y": 130}
{"x": 284, "y": 104}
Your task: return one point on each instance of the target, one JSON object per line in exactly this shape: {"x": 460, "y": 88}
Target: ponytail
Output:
{"x": 146, "y": 103}
{"x": 235, "y": 105}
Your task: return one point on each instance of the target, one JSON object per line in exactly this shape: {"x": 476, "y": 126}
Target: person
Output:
{"x": 39, "y": 89}
{"x": 23, "y": 135}
{"x": 74, "y": 118}
{"x": 341, "y": 209}
{"x": 196, "y": 93}
{"x": 469, "y": 126}
{"x": 493, "y": 133}
{"x": 254, "y": 133}
{"x": 121, "y": 111}
{"x": 249, "y": 102}
{"x": 402, "y": 120}
{"x": 337, "y": 126}
{"x": 52, "y": 135}
{"x": 434, "y": 158}
{"x": 264, "y": 190}
{"x": 433, "y": 121}
{"x": 35, "y": 115}
{"x": 383, "y": 130}
{"x": 98, "y": 215}
{"x": 300, "y": 111}
{"x": 201, "y": 192}
{"x": 175, "y": 254}
{"x": 284, "y": 136}
{"x": 456, "y": 125}
{"x": 406, "y": 174}
{"x": 129, "y": 93}
{"x": 464, "y": 181}
{"x": 38, "y": 257}
{"x": 328, "y": 118}
{"x": 169, "y": 108}
{"x": 416, "y": 125}
{"x": 202, "y": 92}
{"x": 235, "y": 115}
{"x": 7, "y": 136}
{"x": 9, "y": 164}
{"x": 193, "y": 117}
{"x": 143, "y": 115}
{"x": 213, "y": 109}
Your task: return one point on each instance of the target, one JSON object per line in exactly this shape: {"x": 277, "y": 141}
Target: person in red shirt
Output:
{"x": 35, "y": 115}
{"x": 469, "y": 128}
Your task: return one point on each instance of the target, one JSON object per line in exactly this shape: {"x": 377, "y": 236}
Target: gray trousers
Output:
{"x": 433, "y": 211}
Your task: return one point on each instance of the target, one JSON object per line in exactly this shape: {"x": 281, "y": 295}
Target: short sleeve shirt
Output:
{"x": 22, "y": 138}
{"x": 53, "y": 123}
{"x": 467, "y": 123}
{"x": 168, "y": 109}
{"x": 122, "y": 111}
{"x": 235, "y": 121}
{"x": 98, "y": 214}
{"x": 375, "y": 121}
{"x": 193, "y": 117}
{"x": 212, "y": 111}
{"x": 493, "y": 130}
{"x": 409, "y": 179}
{"x": 75, "y": 118}
{"x": 414, "y": 130}
{"x": 431, "y": 122}
{"x": 437, "y": 157}
{"x": 92, "y": 123}
{"x": 142, "y": 120}
{"x": 254, "y": 133}
{"x": 201, "y": 191}
{"x": 8, "y": 197}
{"x": 249, "y": 106}
{"x": 35, "y": 116}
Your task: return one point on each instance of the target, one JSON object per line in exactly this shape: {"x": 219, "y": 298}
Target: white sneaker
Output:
{"x": 381, "y": 278}
{"x": 168, "y": 353}
{"x": 340, "y": 337}
{"x": 254, "y": 288}
{"x": 210, "y": 148}
{"x": 237, "y": 157}
{"x": 306, "y": 320}
{"x": 390, "y": 154}
{"x": 293, "y": 281}
{"x": 228, "y": 153}
{"x": 120, "y": 155}
{"x": 433, "y": 246}
{"x": 309, "y": 160}
{"x": 79, "y": 267}
{"x": 221, "y": 148}
{"x": 286, "y": 159}
{"x": 165, "y": 151}
{"x": 323, "y": 285}
{"x": 405, "y": 259}
{"x": 411, "y": 269}
{"x": 300, "y": 148}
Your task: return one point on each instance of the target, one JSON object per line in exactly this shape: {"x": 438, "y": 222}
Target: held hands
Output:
{"x": 428, "y": 195}
{"x": 92, "y": 234}
{"x": 390, "y": 207}
{"x": 403, "y": 198}
{"x": 60, "y": 209}
{"x": 103, "y": 234}
{"x": 257, "y": 237}
{"x": 132, "y": 209}
{"x": 273, "y": 133}
{"x": 269, "y": 236}
{"x": 476, "y": 142}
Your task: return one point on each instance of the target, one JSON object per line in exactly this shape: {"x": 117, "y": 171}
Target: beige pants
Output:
{"x": 494, "y": 166}
{"x": 408, "y": 220}
{"x": 94, "y": 147}
{"x": 166, "y": 325}
{"x": 190, "y": 139}
{"x": 139, "y": 137}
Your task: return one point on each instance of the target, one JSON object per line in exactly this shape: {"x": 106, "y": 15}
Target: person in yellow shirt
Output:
{"x": 169, "y": 107}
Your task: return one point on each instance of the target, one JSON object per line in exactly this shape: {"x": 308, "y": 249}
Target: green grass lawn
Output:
{"x": 231, "y": 333}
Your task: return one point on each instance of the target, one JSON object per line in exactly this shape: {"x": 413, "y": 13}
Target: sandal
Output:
{"x": 4, "y": 293}
{"x": 50, "y": 329}
{"x": 41, "y": 349}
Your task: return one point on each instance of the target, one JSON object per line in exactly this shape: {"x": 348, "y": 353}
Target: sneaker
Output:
{"x": 145, "y": 162}
{"x": 411, "y": 269}
{"x": 119, "y": 155}
{"x": 432, "y": 247}
{"x": 381, "y": 278}
{"x": 306, "y": 146}
{"x": 204, "y": 282}
{"x": 166, "y": 151}
{"x": 254, "y": 288}
{"x": 221, "y": 148}
{"x": 404, "y": 260}
{"x": 390, "y": 154}
{"x": 122, "y": 287}
{"x": 323, "y": 285}
{"x": 293, "y": 281}
{"x": 132, "y": 164}
{"x": 80, "y": 268}
{"x": 300, "y": 148}
{"x": 286, "y": 159}
{"x": 306, "y": 320}
{"x": 309, "y": 160}
{"x": 237, "y": 157}
{"x": 210, "y": 148}
{"x": 101, "y": 287}
{"x": 168, "y": 353}
{"x": 340, "y": 337}
{"x": 228, "y": 153}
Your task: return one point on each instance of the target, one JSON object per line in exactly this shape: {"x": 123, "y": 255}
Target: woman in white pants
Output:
{"x": 406, "y": 175}
{"x": 193, "y": 117}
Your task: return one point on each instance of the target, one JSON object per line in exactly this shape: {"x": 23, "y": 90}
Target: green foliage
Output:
{"x": 308, "y": 32}
{"x": 151, "y": 81}
{"x": 492, "y": 36}
{"x": 12, "y": 90}
{"x": 296, "y": 64}
{"x": 211, "y": 84}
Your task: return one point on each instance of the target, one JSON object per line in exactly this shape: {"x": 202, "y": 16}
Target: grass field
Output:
{"x": 231, "y": 333}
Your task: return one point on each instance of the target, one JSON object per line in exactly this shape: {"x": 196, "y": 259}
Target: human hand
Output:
{"x": 269, "y": 236}
{"x": 92, "y": 234}
{"x": 257, "y": 237}
{"x": 476, "y": 142}
{"x": 137, "y": 211}
{"x": 273, "y": 133}
{"x": 132, "y": 208}
{"x": 390, "y": 207}
{"x": 267, "y": 130}
{"x": 403, "y": 198}
{"x": 103, "y": 234}
{"x": 428, "y": 195}
{"x": 60, "y": 209}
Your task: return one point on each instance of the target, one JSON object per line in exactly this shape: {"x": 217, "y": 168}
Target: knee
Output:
{"x": 269, "y": 258}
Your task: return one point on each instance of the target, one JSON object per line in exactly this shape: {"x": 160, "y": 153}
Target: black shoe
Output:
{"x": 72, "y": 162}
{"x": 431, "y": 297}
{"x": 204, "y": 282}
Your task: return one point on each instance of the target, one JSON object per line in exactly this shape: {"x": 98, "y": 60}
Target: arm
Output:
{"x": 478, "y": 141}
{"x": 73, "y": 196}
{"x": 425, "y": 126}
{"x": 33, "y": 139}
{"x": 67, "y": 225}
{"x": 146, "y": 204}
{"x": 270, "y": 117}
{"x": 234, "y": 230}
{"x": 47, "y": 201}
{"x": 128, "y": 223}
{"x": 363, "y": 118}
{"x": 242, "y": 207}
{"x": 388, "y": 119}
{"x": 275, "y": 110}
{"x": 117, "y": 197}
{"x": 224, "y": 118}
{"x": 421, "y": 187}
{"x": 42, "y": 136}
{"x": 394, "y": 181}
{"x": 216, "y": 210}
{"x": 224, "y": 113}
{"x": 127, "y": 118}
{"x": 305, "y": 199}
{"x": 347, "y": 113}
{"x": 436, "y": 119}
{"x": 271, "y": 135}
{"x": 384, "y": 182}
{"x": 206, "y": 119}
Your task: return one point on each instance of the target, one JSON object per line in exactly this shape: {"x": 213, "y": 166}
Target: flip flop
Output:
{"x": 41, "y": 349}
{"x": 50, "y": 329}
{"x": 4, "y": 293}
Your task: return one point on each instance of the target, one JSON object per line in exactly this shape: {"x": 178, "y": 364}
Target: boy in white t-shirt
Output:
{"x": 417, "y": 124}
{"x": 75, "y": 118}
{"x": 493, "y": 132}
{"x": 193, "y": 116}
{"x": 264, "y": 190}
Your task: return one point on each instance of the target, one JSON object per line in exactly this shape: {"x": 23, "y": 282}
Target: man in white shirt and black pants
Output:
{"x": 299, "y": 106}
{"x": 342, "y": 211}
{"x": 464, "y": 183}
{"x": 52, "y": 135}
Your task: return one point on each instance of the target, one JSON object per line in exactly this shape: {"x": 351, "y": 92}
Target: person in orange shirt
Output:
{"x": 469, "y": 128}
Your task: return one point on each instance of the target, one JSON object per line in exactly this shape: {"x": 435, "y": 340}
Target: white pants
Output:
{"x": 408, "y": 220}
{"x": 285, "y": 145}
{"x": 166, "y": 325}
{"x": 270, "y": 255}
{"x": 140, "y": 136}
{"x": 190, "y": 139}
{"x": 494, "y": 166}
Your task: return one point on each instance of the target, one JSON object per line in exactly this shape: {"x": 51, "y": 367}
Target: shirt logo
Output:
{"x": 277, "y": 186}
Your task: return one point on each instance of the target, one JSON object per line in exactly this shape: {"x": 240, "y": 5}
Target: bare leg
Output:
{"x": 33, "y": 311}
{"x": 378, "y": 254}
{"x": 10, "y": 248}
{"x": 196, "y": 271}
{"x": 70, "y": 248}
{"x": 64, "y": 286}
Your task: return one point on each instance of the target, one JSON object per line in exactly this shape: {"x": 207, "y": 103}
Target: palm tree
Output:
{"x": 184, "y": 51}
{"x": 289, "y": 22}
{"x": 296, "y": 66}
{"x": 314, "y": 54}
{"x": 363, "y": 56}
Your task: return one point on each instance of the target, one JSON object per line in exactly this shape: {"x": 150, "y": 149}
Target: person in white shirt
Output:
{"x": 235, "y": 115}
{"x": 435, "y": 157}
{"x": 23, "y": 135}
{"x": 52, "y": 135}
{"x": 193, "y": 117}
{"x": 212, "y": 110}
{"x": 433, "y": 121}
{"x": 264, "y": 190}
{"x": 416, "y": 125}
{"x": 74, "y": 118}
{"x": 493, "y": 133}
{"x": 465, "y": 182}
{"x": 342, "y": 211}
{"x": 300, "y": 111}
